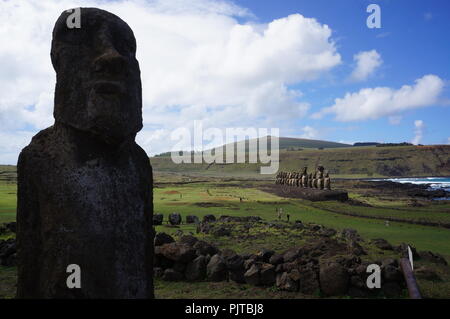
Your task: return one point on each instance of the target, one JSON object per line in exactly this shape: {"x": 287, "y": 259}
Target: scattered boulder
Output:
{"x": 203, "y": 248}
{"x": 163, "y": 238}
{"x": 209, "y": 218}
{"x": 350, "y": 234}
{"x": 216, "y": 269}
{"x": 188, "y": 240}
{"x": 191, "y": 219}
{"x": 333, "y": 278}
{"x": 291, "y": 254}
{"x": 265, "y": 254}
{"x": 252, "y": 275}
{"x": 309, "y": 281}
{"x": 267, "y": 274}
{"x": 284, "y": 282}
{"x": 175, "y": 219}
{"x": 176, "y": 252}
{"x": 382, "y": 244}
{"x": 355, "y": 248}
{"x": 196, "y": 269}
{"x": 158, "y": 219}
{"x": 8, "y": 251}
{"x": 221, "y": 231}
{"x": 276, "y": 259}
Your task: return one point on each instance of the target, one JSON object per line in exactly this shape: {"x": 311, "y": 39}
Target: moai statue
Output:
{"x": 310, "y": 180}
{"x": 305, "y": 177}
{"x": 315, "y": 180}
{"x": 85, "y": 200}
{"x": 327, "y": 181}
{"x": 320, "y": 180}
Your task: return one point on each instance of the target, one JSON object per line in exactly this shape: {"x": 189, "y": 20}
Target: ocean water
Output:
{"x": 434, "y": 183}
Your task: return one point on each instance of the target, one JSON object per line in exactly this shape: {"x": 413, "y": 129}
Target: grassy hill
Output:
{"x": 341, "y": 161}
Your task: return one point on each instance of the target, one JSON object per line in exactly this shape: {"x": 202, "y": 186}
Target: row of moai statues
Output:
{"x": 320, "y": 179}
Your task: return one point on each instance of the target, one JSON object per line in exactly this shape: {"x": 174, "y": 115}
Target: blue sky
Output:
{"x": 311, "y": 68}
{"x": 413, "y": 41}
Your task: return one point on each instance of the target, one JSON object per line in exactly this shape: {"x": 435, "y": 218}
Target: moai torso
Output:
{"x": 84, "y": 185}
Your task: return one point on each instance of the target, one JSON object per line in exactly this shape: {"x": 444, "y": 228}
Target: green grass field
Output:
{"x": 201, "y": 196}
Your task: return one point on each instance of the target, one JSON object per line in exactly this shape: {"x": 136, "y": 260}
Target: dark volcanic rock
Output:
{"x": 333, "y": 278}
{"x": 265, "y": 254}
{"x": 267, "y": 274}
{"x": 221, "y": 231}
{"x": 252, "y": 276}
{"x": 203, "y": 248}
{"x": 276, "y": 259}
{"x": 163, "y": 238}
{"x": 177, "y": 252}
{"x": 382, "y": 244}
{"x": 188, "y": 240}
{"x": 158, "y": 219}
{"x": 426, "y": 273}
{"x": 8, "y": 251}
{"x": 209, "y": 218}
{"x": 84, "y": 185}
{"x": 175, "y": 219}
{"x": 191, "y": 219}
{"x": 196, "y": 269}
{"x": 284, "y": 282}
{"x": 216, "y": 269}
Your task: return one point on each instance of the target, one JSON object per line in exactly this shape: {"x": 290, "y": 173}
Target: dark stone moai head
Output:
{"x": 98, "y": 88}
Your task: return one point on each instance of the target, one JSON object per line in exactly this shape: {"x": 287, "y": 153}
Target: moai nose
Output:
{"x": 111, "y": 63}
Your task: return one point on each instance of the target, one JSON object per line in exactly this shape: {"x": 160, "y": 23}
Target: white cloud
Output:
{"x": 366, "y": 64}
{"x": 197, "y": 62}
{"x": 419, "y": 126}
{"x": 309, "y": 132}
{"x": 373, "y": 103}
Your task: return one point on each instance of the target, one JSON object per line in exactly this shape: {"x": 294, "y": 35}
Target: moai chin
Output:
{"x": 84, "y": 185}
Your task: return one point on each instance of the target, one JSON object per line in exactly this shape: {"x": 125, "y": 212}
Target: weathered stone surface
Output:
{"x": 163, "y": 238}
{"x": 203, "y": 248}
{"x": 284, "y": 282}
{"x": 158, "y": 219}
{"x": 252, "y": 276}
{"x": 84, "y": 185}
{"x": 382, "y": 244}
{"x": 177, "y": 252}
{"x": 196, "y": 269}
{"x": 309, "y": 282}
{"x": 333, "y": 278}
{"x": 175, "y": 219}
{"x": 265, "y": 254}
{"x": 191, "y": 219}
{"x": 209, "y": 218}
{"x": 276, "y": 259}
{"x": 267, "y": 274}
{"x": 8, "y": 251}
{"x": 216, "y": 269}
{"x": 188, "y": 240}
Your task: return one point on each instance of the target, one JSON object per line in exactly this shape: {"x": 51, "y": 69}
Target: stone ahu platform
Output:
{"x": 312, "y": 194}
